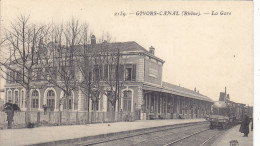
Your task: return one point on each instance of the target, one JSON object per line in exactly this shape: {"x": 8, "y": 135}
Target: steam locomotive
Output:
{"x": 225, "y": 113}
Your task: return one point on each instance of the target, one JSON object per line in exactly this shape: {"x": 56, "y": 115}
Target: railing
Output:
{"x": 67, "y": 118}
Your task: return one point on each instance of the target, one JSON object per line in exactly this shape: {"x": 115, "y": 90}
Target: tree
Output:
{"x": 91, "y": 68}
{"x": 99, "y": 65}
{"x": 59, "y": 61}
{"x": 114, "y": 80}
{"x": 85, "y": 67}
{"x": 23, "y": 40}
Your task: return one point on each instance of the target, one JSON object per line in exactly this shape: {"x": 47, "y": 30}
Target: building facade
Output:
{"x": 142, "y": 90}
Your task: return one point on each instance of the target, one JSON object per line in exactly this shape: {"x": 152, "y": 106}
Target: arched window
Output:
{"x": 50, "y": 93}
{"x": 9, "y": 96}
{"x": 70, "y": 102}
{"x": 51, "y": 100}
{"x": 127, "y": 100}
{"x": 16, "y": 97}
{"x": 35, "y": 99}
{"x": 35, "y": 93}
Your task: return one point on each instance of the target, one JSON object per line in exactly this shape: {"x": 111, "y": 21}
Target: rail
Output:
{"x": 141, "y": 132}
{"x": 193, "y": 134}
{"x": 178, "y": 140}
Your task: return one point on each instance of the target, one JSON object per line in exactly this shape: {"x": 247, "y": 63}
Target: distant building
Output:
{"x": 143, "y": 90}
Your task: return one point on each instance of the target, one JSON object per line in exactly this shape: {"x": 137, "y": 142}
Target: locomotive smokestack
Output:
{"x": 225, "y": 90}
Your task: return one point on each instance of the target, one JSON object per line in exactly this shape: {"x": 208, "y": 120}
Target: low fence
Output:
{"x": 67, "y": 118}
{"x": 152, "y": 116}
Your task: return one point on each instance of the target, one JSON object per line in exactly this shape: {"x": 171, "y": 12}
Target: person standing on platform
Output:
{"x": 244, "y": 128}
{"x": 9, "y": 110}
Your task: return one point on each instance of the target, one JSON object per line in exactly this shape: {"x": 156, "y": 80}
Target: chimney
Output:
{"x": 225, "y": 90}
{"x": 151, "y": 50}
{"x": 195, "y": 89}
{"x": 93, "y": 40}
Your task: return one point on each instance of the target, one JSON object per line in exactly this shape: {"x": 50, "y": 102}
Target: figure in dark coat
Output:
{"x": 10, "y": 117}
{"x": 9, "y": 109}
{"x": 244, "y": 128}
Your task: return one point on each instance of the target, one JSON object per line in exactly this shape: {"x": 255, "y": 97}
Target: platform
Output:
{"x": 11, "y": 137}
{"x": 234, "y": 134}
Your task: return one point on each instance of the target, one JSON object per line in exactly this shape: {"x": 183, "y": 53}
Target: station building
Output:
{"x": 143, "y": 90}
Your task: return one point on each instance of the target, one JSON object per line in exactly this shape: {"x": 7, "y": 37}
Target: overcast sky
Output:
{"x": 207, "y": 52}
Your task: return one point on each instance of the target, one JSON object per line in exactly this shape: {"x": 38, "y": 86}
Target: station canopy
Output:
{"x": 177, "y": 90}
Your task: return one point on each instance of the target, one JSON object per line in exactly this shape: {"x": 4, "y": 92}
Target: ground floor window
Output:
{"x": 127, "y": 100}
{"x": 95, "y": 105}
{"x": 16, "y": 96}
{"x": 35, "y": 103}
{"x": 9, "y": 96}
{"x": 51, "y": 104}
{"x": 70, "y": 102}
{"x": 35, "y": 99}
{"x": 51, "y": 100}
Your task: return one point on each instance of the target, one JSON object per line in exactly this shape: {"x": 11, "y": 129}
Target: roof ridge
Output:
{"x": 184, "y": 89}
{"x": 139, "y": 46}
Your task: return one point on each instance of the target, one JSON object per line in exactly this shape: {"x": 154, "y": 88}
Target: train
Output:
{"x": 226, "y": 113}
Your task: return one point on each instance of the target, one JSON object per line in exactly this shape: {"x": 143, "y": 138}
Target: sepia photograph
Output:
{"x": 127, "y": 72}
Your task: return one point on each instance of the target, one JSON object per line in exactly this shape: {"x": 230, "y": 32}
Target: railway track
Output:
{"x": 188, "y": 139}
{"x": 136, "y": 138}
{"x": 178, "y": 140}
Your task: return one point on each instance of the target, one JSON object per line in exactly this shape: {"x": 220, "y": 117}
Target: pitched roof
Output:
{"x": 112, "y": 47}
{"x": 184, "y": 92}
{"x": 123, "y": 47}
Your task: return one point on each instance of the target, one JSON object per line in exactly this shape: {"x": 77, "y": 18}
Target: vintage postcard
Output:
{"x": 126, "y": 72}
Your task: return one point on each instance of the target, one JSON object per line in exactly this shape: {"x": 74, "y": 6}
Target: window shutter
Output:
{"x": 121, "y": 72}
{"x": 134, "y": 72}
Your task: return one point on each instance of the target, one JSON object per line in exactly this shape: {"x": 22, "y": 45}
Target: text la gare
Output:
{"x": 220, "y": 13}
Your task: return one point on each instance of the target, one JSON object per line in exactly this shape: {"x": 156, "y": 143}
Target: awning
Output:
{"x": 176, "y": 92}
